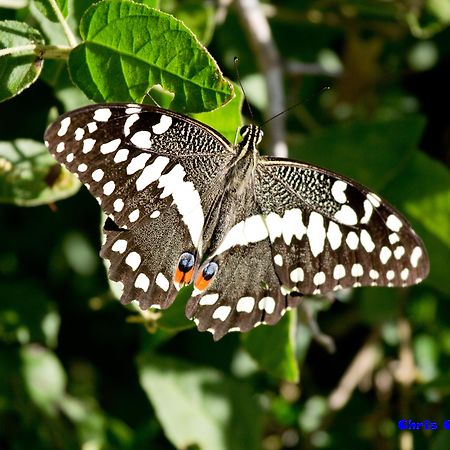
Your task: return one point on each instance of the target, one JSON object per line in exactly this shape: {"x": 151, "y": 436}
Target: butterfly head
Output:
{"x": 251, "y": 137}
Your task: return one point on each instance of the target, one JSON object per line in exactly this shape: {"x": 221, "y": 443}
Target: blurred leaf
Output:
{"x": 198, "y": 16}
{"x": 273, "y": 347}
{"x": 45, "y": 8}
{"x": 227, "y": 119}
{"x": 27, "y": 315}
{"x": 379, "y": 304}
{"x": 200, "y": 406}
{"x": 19, "y": 70}
{"x": 426, "y": 353}
{"x": 372, "y": 153}
{"x": 174, "y": 318}
{"x": 144, "y": 47}
{"x": 44, "y": 377}
{"x": 29, "y": 176}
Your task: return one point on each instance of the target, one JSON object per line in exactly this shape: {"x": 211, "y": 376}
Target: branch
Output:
{"x": 257, "y": 28}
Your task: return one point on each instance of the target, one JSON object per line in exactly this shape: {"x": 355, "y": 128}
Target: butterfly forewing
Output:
{"x": 253, "y": 234}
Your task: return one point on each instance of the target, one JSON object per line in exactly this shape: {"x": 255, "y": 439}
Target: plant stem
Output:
{"x": 47, "y": 51}
{"x": 67, "y": 31}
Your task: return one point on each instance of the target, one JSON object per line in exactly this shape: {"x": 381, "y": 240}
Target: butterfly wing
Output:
{"x": 307, "y": 231}
{"x": 155, "y": 174}
{"x": 328, "y": 233}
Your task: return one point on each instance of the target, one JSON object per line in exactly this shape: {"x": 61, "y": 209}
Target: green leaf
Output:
{"x": 21, "y": 68}
{"x": 227, "y": 119}
{"x": 273, "y": 347}
{"x": 44, "y": 377}
{"x": 174, "y": 318}
{"x": 128, "y": 48}
{"x": 29, "y": 176}
{"x": 200, "y": 406}
{"x": 45, "y": 8}
{"x": 372, "y": 153}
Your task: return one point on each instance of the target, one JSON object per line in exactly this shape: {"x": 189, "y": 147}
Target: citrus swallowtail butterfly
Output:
{"x": 252, "y": 233}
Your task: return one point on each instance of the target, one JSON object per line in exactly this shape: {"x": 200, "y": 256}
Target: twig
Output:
{"x": 295, "y": 68}
{"x": 363, "y": 364}
{"x": 71, "y": 39}
{"x": 257, "y": 27}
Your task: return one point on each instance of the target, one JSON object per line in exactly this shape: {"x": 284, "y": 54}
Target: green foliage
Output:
{"x": 79, "y": 370}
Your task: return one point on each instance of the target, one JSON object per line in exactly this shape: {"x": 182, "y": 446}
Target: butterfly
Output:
{"x": 252, "y": 234}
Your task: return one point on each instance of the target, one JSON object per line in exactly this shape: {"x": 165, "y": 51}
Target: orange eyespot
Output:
{"x": 184, "y": 271}
{"x": 202, "y": 281}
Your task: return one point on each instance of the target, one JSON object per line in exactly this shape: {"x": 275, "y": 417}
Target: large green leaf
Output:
{"x": 273, "y": 347}
{"x": 29, "y": 176}
{"x": 128, "y": 48}
{"x": 19, "y": 69}
{"x": 200, "y": 406}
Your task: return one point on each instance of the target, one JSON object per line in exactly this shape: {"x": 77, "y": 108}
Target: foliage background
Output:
{"x": 79, "y": 370}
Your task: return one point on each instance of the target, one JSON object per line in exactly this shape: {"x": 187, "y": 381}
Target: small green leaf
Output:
{"x": 128, "y": 48}
{"x": 174, "y": 318}
{"x": 44, "y": 377}
{"x": 45, "y": 8}
{"x": 227, "y": 119}
{"x": 200, "y": 406}
{"x": 21, "y": 68}
{"x": 29, "y": 176}
{"x": 273, "y": 347}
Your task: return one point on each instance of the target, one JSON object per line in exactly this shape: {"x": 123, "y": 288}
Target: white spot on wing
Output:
{"x": 385, "y": 255}
{"x": 162, "y": 282}
{"x": 221, "y": 313}
{"x": 102, "y": 114}
{"x": 415, "y": 256}
{"x": 297, "y": 275}
{"x": 352, "y": 240}
{"x": 338, "y": 191}
{"x": 357, "y": 270}
{"x": 151, "y": 173}
{"x": 390, "y": 275}
{"x": 245, "y": 304}
{"x": 97, "y": 174}
{"x": 374, "y": 199}
{"x": 134, "y": 215}
{"x": 334, "y": 235}
{"x": 399, "y": 252}
{"x": 346, "y": 215}
{"x": 394, "y": 238}
{"x": 142, "y": 139}
{"x": 64, "y": 126}
{"x": 60, "y": 147}
{"x": 368, "y": 209}
{"x": 366, "y": 241}
{"x": 138, "y": 163}
{"x": 79, "y": 133}
{"x": 119, "y": 246}
{"x": 88, "y": 145}
{"x": 142, "y": 282}
{"x": 155, "y": 214}
{"x": 374, "y": 274}
{"x": 121, "y": 155}
{"x": 292, "y": 225}
{"x": 278, "y": 260}
{"x": 92, "y": 126}
{"x": 319, "y": 278}
{"x": 163, "y": 125}
{"x": 69, "y": 157}
{"x": 187, "y": 200}
{"x": 109, "y": 147}
{"x": 82, "y": 167}
{"x": 393, "y": 223}
{"x": 133, "y": 259}
{"x": 316, "y": 233}
{"x": 267, "y": 304}
{"x": 118, "y": 205}
{"x": 108, "y": 188}
{"x": 338, "y": 272}
{"x": 129, "y": 123}
{"x": 404, "y": 274}
{"x": 209, "y": 299}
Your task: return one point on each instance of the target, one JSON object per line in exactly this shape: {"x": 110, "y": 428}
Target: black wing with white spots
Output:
{"x": 252, "y": 234}
{"x": 154, "y": 173}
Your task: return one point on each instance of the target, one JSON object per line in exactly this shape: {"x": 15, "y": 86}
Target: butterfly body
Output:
{"x": 253, "y": 234}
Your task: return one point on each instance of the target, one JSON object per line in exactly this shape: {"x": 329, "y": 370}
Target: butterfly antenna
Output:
{"x": 326, "y": 88}
{"x": 236, "y": 61}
